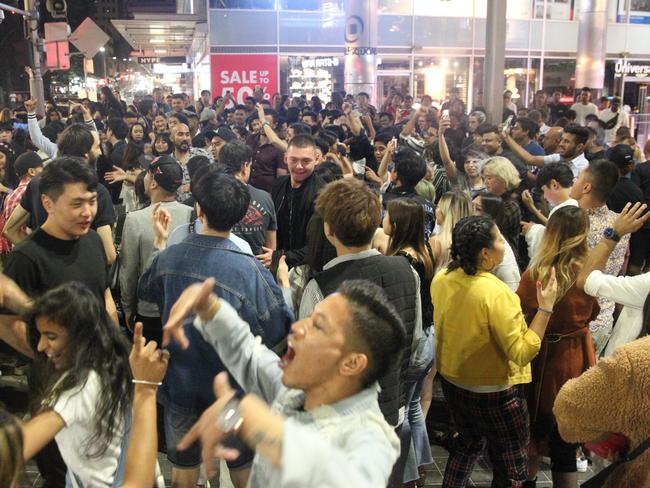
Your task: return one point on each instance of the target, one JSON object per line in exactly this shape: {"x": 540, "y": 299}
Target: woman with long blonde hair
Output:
{"x": 567, "y": 350}
{"x": 452, "y": 206}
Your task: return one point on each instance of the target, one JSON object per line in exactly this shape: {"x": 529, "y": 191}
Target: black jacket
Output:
{"x": 395, "y": 276}
{"x": 292, "y": 238}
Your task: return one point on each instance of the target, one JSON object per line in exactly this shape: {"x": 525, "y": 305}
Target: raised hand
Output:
{"x": 162, "y": 220}
{"x": 30, "y": 105}
{"x": 266, "y": 257}
{"x": 282, "y": 273}
{"x": 148, "y": 363}
{"x": 631, "y": 218}
{"x": 546, "y": 295}
{"x": 197, "y": 298}
{"x": 115, "y": 176}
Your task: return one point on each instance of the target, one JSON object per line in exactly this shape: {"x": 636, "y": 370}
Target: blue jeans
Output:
{"x": 415, "y": 424}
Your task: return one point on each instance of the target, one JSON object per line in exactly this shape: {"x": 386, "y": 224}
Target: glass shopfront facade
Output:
{"x": 424, "y": 46}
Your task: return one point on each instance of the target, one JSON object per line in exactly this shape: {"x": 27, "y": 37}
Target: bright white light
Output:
{"x": 102, "y": 49}
{"x": 444, "y": 63}
{"x": 157, "y": 41}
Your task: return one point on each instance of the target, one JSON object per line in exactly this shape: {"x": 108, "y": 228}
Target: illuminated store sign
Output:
{"x": 623, "y": 67}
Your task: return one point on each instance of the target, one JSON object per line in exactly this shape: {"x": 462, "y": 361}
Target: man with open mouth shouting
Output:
{"x": 324, "y": 422}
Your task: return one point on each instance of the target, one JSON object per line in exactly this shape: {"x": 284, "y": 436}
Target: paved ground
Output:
{"x": 482, "y": 475}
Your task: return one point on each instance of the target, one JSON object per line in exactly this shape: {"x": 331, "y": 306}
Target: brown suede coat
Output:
{"x": 567, "y": 351}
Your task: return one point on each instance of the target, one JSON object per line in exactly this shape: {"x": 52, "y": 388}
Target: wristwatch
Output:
{"x": 611, "y": 234}
{"x": 229, "y": 419}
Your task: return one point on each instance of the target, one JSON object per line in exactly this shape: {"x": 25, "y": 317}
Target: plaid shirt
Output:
{"x": 512, "y": 223}
{"x": 11, "y": 202}
{"x": 599, "y": 219}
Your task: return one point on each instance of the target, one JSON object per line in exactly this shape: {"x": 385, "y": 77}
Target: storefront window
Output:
{"x": 396, "y": 7}
{"x": 311, "y": 76}
{"x": 516, "y": 73}
{"x": 313, "y": 5}
{"x": 559, "y": 75}
{"x": 555, "y": 9}
{"x": 244, "y": 4}
{"x": 436, "y": 77}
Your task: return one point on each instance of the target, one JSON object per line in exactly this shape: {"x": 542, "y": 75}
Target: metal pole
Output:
{"x": 9, "y": 8}
{"x": 36, "y": 79}
{"x": 495, "y": 52}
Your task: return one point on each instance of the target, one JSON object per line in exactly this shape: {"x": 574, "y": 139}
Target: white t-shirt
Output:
{"x": 629, "y": 291}
{"x": 77, "y": 407}
{"x": 623, "y": 121}
{"x": 583, "y": 111}
{"x": 508, "y": 271}
{"x": 577, "y": 164}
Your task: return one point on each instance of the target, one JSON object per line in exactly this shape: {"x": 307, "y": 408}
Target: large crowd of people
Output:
{"x": 292, "y": 276}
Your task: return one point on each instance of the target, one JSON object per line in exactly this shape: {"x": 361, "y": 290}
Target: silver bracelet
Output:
{"x": 145, "y": 382}
{"x": 540, "y": 309}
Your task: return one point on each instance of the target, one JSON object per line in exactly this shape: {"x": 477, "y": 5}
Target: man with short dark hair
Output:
{"x": 204, "y": 102}
{"x": 162, "y": 179}
{"x": 221, "y": 202}
{"x": 491, "y": 144}
{"x": 63, "y": 249}
{"x": 116, "y": 134}
{"x": 178, "y": 102}
{"x": 268, "y": 160}
{"x": 613, "y": 118}
{"x": 27, "y": 166}
{"x": 351, "y": 213}
{"x": 524, "y": 132}
{"x": 259, "y": 226}
{"x": 571, "y": 149}
{"x": 556, "y": 108}
{"x": 592, "y": 189}
{"x": 323, "y": 425}
{"x": 410, "y": 168}
{"x": 240, "y": 116}
{"x": 584, "y": 107}
{"x": 294, "y": 196}
{"x": 555, "y": 181}
{"x": 76, "y": 140}
{"x": 218, "y": 139}
{"x": 183, "y": 151}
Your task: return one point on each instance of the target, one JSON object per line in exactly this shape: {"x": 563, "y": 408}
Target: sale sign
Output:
{"x": 242, "y": 74}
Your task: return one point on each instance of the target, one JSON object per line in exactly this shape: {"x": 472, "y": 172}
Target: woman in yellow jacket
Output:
{"x": 484, "y": 348}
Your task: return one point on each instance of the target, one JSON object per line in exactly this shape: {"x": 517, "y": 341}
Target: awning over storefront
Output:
{"x": 160, "y": 35}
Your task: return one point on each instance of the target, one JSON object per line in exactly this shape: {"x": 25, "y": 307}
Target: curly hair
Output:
{"x": 471, "y": 235}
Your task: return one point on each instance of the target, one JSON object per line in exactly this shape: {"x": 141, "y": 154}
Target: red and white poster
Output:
{"x": 240, "y": 74}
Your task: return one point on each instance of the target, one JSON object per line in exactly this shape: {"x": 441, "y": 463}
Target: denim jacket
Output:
{"x": 240, "y": 280}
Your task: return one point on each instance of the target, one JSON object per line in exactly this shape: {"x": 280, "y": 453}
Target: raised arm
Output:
{"x": 304, "y": 456}
{"x": 449, "y": 164}
{"x": 629, "y": 220}
{"x": 386, "y": 158}
{"x": 35, "y": 134}
{"x": 408, "y": 128}
{"x": 148, "y": 365}
{"x": 270, "y": 134}
{"x": 521, "y": 153}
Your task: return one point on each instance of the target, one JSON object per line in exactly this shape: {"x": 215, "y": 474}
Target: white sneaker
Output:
{"x": 582, "y": 464}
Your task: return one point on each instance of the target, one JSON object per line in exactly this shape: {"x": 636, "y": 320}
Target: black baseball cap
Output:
{"x": 621, "y": 155}
{"x": 167, "y": 172}
{"x": 223, "y": 132}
